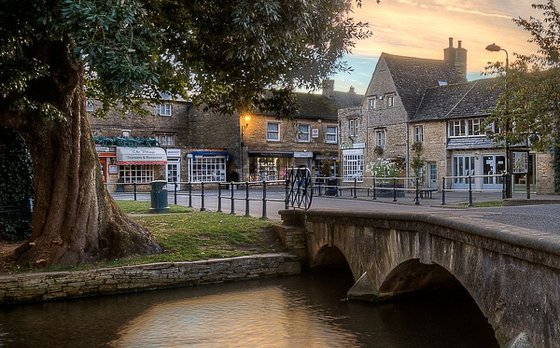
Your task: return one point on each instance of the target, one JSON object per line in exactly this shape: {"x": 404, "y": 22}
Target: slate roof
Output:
{"x": 413, "y": 75}
{"x": 470, "y": 99}
{"x": 318, "y": 106}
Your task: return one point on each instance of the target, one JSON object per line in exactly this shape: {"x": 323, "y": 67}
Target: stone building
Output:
{"x": 270, "y": 146}
{"x": 424, "y": 109}
{"x": 379, "y": 128}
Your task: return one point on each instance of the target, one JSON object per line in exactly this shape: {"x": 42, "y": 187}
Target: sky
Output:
{"x": 422, "y": 28}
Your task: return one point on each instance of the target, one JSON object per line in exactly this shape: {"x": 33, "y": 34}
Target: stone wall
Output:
{"x": 545, "y": 173}
{"x": 38, "y": 287}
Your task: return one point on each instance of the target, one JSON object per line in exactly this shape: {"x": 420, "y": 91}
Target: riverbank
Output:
{"x": 48, "y": 286}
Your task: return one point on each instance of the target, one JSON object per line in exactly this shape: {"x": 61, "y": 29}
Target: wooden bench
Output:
{"x": 352, "y": 190}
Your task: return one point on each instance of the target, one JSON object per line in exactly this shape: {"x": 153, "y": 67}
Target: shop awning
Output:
{"x": 141, "y": 155}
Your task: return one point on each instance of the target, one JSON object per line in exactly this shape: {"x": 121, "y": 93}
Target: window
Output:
{"x": 273, "y": 131}
{"x": 303, "y": 133}
{"x": 353, "y": 164}
{"x": 380, "y": 138}
{"x": 165, "y": 139}
{"x": 125, "y": 133}
{"x": 372, "y": 102}
{"x": 390, "y": 100}
{"x": 164, "y": 109}
{"x": 207, "y": 168}
{"x": 139, "y": 174}
{"x": 331, "y": 135}
{"x": 418, "y": 134}
{"x": 457, "y": 128}
{"x": 462, "y": 128}
{"x": 353, "y": 125}
{"x": 474, "y": 126}
{"x": 90, "y": 106}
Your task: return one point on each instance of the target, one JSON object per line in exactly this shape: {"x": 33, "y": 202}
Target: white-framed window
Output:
{"x": 90, "y": 105}
{"x": 372, "y": 102}
{"x": 207, "y": 168}
{"x": 303, "y": 133}
{"x": 465, "y": 128}
{"x": 164, "y": 109}
{"x": 457, "y": 128}
{"x": 273, "y": 131}
{"x": 474, "y": 126}
{"x": 418, "y": 134}
{"x": 165, "y": 139}
{"x": 125, "y": 133}
{"x": 353, "y": 164}
{"x": 353, "y": 126}
{"x": 380, "y": 138}
{"x": 139, "y": 174}
{"x": 390, "y": 100}
{"x": 331, "y": 135}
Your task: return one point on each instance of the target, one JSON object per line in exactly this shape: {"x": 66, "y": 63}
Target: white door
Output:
{"x": 173, "y": 174}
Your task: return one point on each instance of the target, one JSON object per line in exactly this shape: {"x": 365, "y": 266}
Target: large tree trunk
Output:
{"x": 74, "y": 218}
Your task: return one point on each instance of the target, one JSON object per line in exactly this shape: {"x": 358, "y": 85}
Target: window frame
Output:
{"x": 380, "y": 138}
{"x": 353, "y": 127}
{"x": 335, "y": 134}
{"x": 419, "y": 133}
{"x": 390, "y": 100}
{"x": 372, "y": 103}
{"x": 303, "y": 133}
{"x": 164, "y": 109}
{"x": 269, "y": 131}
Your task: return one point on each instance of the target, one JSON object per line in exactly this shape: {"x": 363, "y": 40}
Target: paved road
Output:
{"x": 542, "y": 217}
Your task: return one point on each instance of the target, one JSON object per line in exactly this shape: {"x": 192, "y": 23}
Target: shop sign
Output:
{"x": 173, "y": 152}
{"x": 359, "y": 146}
{"x": 141, "y": 155}
{"x": 303, "y": 154}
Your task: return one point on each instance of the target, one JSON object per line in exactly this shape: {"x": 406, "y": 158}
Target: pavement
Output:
{"x": 540, "y": 212}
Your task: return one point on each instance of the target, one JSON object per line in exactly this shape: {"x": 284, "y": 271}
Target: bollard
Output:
{"x": 504, "y": 180}
{"x": 355, "y": 188}
{"x": 470, "y": 191}
{"x": 134, "y": 186}
{"x": 394, "y": 189}
{"x": 443, "y": 191}
{"x": 264, "y": 200}
{"x": 202, "y": 208}
{"x": 374, "y": 193}
{"x": 417, "y": 200}
{"x": 232, "y": 205}
{"x": 246, "y": 198}
{"x": 219, "y": 197}
{"x": 175, "y": 194}
{"x": 190, "y": 194}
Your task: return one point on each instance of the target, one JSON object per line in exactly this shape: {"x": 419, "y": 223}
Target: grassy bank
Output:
{"x": 187, "y": 235}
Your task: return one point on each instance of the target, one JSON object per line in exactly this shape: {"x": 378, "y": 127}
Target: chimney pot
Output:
{"x": 450, "y": 42}
{"x": 459, "y": 44}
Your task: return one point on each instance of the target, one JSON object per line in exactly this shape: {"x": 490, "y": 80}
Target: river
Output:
{"x": 301, "y": 311}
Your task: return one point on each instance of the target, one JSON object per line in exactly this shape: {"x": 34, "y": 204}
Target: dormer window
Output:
{"x": 390, "y": 100}
{"x": 372, "y": 102}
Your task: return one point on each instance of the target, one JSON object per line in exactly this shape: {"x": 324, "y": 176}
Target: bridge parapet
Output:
{"x": 513, "y": 274}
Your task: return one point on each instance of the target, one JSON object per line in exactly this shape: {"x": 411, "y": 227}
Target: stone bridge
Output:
{"x": 512, "y": 273}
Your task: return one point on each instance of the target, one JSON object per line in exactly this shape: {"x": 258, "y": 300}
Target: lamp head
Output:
{"x": 493, "y": 48}
{"x": 247, "y": 119}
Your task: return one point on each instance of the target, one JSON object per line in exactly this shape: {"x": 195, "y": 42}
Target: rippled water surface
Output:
{"x": 302, "y": 311}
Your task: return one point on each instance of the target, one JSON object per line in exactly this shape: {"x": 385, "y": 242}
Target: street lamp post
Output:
{"x": 495, "y": 48}
{"x": 244, "y": 124}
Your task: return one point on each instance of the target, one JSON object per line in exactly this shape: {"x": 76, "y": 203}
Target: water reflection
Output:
{"x": 302, "y": 311}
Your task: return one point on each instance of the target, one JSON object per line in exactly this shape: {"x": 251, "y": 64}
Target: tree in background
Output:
{"x": 225, "y": 54}
{"x": 529, "y": 105}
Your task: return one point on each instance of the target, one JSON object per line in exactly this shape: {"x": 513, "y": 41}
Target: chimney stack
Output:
{"x": 328, "y": 87}
{"x": 456, "y": 58}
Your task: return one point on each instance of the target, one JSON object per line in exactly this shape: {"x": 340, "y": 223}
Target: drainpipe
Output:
{"x": 406, "y": 153}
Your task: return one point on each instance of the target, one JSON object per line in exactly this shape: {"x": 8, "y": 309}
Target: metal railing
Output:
{"x": 217, "y": 193}
{"x": 495, "y": 180}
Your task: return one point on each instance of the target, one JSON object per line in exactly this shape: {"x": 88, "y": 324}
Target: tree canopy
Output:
{"x": 530, "y": 102}
{"x": 222, "y": 53}
{"x": 229, "y": 55}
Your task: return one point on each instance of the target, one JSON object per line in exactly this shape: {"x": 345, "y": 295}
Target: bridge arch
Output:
{"x": 511, "y": 273}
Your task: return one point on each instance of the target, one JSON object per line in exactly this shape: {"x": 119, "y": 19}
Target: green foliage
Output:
{"x": 126, "y": 141}
{"x": 381, "y": 168}
{"x": 529, "y": 104}
{"x": 16, "y": 186}
{"x": 417, "y": 160}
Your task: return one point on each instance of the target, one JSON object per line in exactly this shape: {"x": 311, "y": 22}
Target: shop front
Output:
{"x": 207, "y": 165}
{"x": 270, "y": 165}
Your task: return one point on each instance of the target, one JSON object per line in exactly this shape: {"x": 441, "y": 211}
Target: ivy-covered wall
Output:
{"x": 16, "y": 186}
{"x": 556, "y": 166}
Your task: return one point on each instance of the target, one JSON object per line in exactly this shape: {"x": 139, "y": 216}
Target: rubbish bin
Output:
{"x": 330, "y": 189}
{"x": 158, "y": 196}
